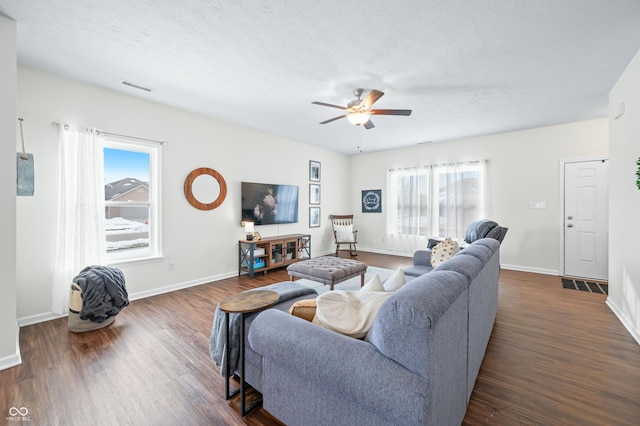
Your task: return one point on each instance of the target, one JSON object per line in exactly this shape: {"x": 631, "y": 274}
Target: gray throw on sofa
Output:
{"x": 288, "y": 291}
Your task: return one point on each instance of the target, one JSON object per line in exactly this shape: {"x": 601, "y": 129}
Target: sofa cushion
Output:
{"x": 469, "y": 266}
{"x": 349, "y": 312}
{"x": 443, "y": 251}
{"x": 406, "y": 317}
{"x": 480, "y": 252}
{"x": 416, "y": 271}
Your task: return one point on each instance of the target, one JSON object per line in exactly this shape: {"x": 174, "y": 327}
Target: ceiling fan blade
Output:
{"x": 390, "y": 111}
{"x": 329, "y": 105}
{"x": 333, "y": 119}
{"x": 369, "y": 125}
{"x": 371, "y": 98}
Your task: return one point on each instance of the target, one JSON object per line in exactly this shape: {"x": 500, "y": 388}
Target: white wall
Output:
{"x": 9, "y": 351}
{"x": 201, "y": 244}
{"x": 523, "y": 166}
{"x": 624, "y": 200}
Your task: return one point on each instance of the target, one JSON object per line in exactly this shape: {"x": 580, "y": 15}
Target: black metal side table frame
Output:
{"x": 243, "y": 303}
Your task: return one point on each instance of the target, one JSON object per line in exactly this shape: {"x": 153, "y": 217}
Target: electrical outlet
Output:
{"x": 171, "y": 266}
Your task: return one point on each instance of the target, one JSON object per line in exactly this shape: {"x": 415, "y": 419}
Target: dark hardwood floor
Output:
{"x": 556, "y": 356}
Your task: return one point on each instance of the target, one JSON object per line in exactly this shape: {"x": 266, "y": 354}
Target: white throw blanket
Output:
{"x": 349, "y": 312}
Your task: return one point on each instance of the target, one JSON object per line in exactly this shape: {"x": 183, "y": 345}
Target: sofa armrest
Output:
{"x": 422, "y": 257}
{"x": 332, "y": 363}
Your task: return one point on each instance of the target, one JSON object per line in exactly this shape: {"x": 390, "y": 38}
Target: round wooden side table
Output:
{"x": 243, "y": 303}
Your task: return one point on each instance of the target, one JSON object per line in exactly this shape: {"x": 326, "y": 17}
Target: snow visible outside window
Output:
{"x": 130, "y": 194}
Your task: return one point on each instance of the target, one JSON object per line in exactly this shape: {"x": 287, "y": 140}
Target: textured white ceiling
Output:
{"x": 466, "y": 68}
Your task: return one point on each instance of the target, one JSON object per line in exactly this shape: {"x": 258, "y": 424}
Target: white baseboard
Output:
{"x": 387, "y": 252}
{"x": 48, "y": 316}
{"x": 14, "y": 359}
{"x": 554, "y": 272}
{"x": 179, "y": 286}
{"x": 618, "y": 313}
{"x": 35, "y": 319}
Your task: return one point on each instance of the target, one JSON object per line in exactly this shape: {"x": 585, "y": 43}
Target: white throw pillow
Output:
{"x": 374, "y": 284}
{"x": 349, "y": 312}
{"x": 344, "y": 233}
{"x": 443, "y": 251}
{"x": 395, "y": 281}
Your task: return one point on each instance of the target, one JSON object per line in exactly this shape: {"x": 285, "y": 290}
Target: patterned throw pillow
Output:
{"x": 443, "y": 251}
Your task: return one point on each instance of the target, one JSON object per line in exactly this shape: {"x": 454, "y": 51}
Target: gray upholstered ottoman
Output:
{"x": 328, "y": 270}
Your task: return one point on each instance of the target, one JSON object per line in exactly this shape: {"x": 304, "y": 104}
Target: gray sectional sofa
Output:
{"x": 416, "y": 366}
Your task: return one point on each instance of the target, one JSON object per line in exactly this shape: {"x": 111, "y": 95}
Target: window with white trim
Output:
{"x": 131, "y": 199}
{"x": 437, "y": 200}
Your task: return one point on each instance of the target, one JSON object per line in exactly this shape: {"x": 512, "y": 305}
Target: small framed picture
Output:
{"x": 314, "y": 171}
{"x": 314, "y": 217}
{"x": 372, "y": 201}
{"x": 314, "y": 193}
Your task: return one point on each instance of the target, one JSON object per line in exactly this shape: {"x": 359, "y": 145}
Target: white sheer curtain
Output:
{"x": 434, "y": 201}
{"x": 80, "y": 237}
{"x": 461, "y": 196}
{"x": 409, "y": 216}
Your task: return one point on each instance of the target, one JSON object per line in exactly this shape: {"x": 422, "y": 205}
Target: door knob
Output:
{"x": 569, "y": 217}
{"x": 570, "y": 225}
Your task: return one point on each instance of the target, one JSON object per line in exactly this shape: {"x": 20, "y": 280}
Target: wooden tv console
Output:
{"x": 272, "y": 252}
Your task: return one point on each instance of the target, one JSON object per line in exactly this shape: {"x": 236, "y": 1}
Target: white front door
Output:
{"x": 586, "y": 219}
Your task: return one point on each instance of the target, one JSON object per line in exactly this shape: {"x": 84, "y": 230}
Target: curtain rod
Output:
{"x": 66, "y": 126}
{"x": 427, "y": 166}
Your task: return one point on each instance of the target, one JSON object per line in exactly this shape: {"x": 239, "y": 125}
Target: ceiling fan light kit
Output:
{"x": 358, "y": 118}
{"x": 359, "y": 111}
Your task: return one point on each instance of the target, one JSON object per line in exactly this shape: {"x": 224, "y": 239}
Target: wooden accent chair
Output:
{"x": 344, "y": 234}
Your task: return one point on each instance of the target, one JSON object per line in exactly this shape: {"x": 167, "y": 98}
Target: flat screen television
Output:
{"x": 265, "y": 204}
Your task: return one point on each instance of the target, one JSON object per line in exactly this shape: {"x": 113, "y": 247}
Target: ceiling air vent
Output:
{"x": 136, "y": 86}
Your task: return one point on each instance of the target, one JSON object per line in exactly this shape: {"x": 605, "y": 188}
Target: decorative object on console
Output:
{"x": 188, "y": 188}
{"x": 314, "y": 171}
{"x": 248, "y": 229}
{"x": 372, "y": 201}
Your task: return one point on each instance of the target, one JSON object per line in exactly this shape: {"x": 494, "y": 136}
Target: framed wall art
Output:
{"x": 314, "y": 171}
{"x": 314, "y": 217}
{"x": 372, "y": 201}
{"x": 314, "y": 193}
